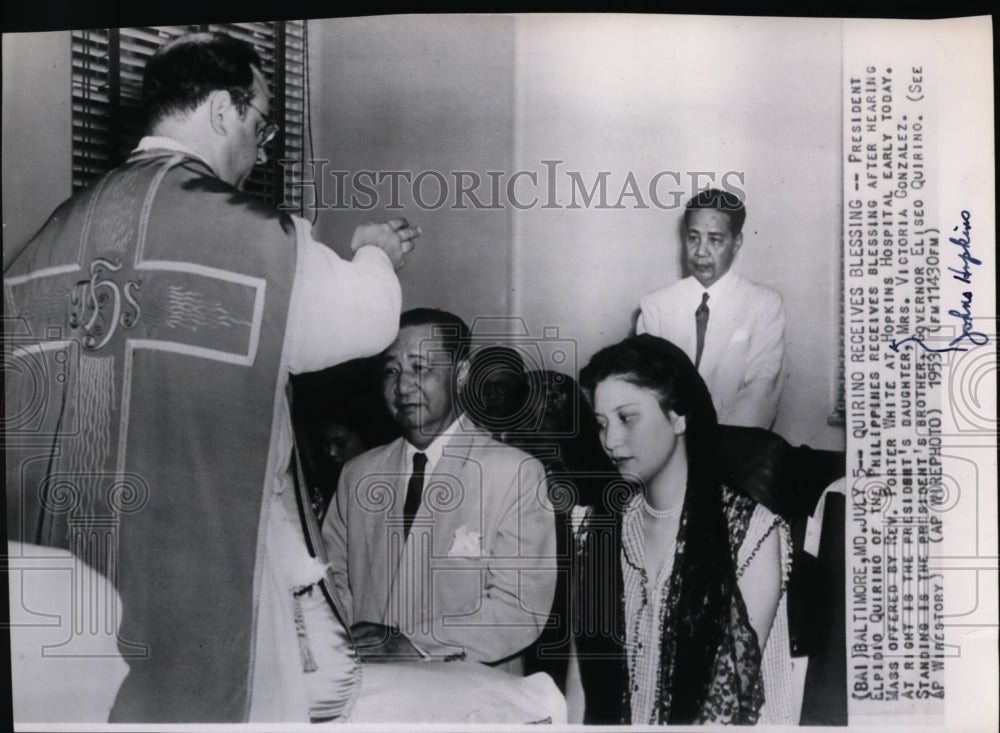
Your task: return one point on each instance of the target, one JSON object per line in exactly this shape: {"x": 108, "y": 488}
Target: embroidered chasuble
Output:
{"x": 144, "y": 332}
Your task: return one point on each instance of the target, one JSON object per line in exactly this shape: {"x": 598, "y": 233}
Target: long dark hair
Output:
{"x": 703, "y": 579}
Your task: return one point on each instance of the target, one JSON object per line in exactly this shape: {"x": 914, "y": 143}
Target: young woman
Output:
{"x": 680, "y": 605}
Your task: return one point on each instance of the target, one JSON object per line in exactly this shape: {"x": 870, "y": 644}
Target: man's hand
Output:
{"x": 394, "y": 237}
{"x": 378, "y": 643}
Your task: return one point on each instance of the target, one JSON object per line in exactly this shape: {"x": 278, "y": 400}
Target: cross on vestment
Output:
{"x": 96, "y": 316}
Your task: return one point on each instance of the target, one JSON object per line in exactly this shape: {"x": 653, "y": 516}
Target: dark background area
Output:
{"x": 64, "y": 14}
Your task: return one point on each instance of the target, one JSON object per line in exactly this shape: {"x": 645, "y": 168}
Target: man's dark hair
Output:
{"x": 182, "y": 74}
{"x": 451, "y": 330}
{"x": 727, "y": 203}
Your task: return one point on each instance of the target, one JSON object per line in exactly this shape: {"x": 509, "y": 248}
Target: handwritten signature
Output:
{"x": 964, "y": 311}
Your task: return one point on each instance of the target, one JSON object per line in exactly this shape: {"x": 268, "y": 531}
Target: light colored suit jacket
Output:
{"x": 744, "y": 342}
{"x": 477, "y": 573}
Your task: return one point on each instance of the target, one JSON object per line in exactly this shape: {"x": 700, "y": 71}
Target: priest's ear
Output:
{"x": 221, "y": 109}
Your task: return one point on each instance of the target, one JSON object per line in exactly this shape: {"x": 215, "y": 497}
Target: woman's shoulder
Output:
{"x": 750, "y": 524}
{"x": 740, "y": 509}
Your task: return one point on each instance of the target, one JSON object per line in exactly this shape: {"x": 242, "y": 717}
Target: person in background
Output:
{"x": 496, "y": 392}
{"x": 731, "y": 328}
{"x": 339, "y": 414}
{"x": 681, "y": 581}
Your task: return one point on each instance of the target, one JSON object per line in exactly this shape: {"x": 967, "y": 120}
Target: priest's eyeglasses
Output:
{"x": 265, "y": 134}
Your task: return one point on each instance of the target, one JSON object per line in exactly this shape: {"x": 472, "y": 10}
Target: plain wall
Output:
{"x": 37, "y": 133}
{"x": 649, "y": 94}
{"x": 760, "y": 98}
{"x": 417, "y": 94}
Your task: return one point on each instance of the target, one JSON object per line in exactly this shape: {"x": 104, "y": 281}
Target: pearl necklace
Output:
{"x": 661, "y": 513}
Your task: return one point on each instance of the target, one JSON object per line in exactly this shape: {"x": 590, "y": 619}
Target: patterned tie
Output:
{"x": 414, "y": 490}
{"x": 700, "y": 324}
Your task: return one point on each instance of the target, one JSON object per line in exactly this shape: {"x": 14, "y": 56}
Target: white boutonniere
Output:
{"x": 466, "y": 543}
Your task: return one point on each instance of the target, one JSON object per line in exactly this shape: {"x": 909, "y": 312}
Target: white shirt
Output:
{"x": 681, "y": 327}
{"x": 435, "y": 450}
{"x": 744, "y": 342}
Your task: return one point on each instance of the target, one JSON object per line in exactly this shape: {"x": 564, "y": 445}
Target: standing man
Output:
{"x": 151, "y": 326}
{"x": 731, "y": 328}
{"x": 442, "y": 544}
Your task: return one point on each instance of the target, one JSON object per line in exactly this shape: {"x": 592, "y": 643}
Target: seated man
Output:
{"x": 441, "y": 543}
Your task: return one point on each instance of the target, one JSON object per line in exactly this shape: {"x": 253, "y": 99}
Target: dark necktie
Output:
{"x": 414, "y": 490}
{"x": 700, "y": 325}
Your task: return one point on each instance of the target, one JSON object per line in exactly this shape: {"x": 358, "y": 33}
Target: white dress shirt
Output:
{"x": 744, "y": 346}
